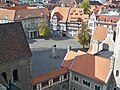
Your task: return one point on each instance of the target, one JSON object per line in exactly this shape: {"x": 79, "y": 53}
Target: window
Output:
{"x": 74, "y": 88}
{"x": 86, "y": 83}
{"x": 114, "y": 89}
{"x": 56, "y": 79}
{"x": 34, "y": 87}
{"x": 76, "y": 78}
{"x": 45, "y": 83}
{"x": 15, "y": 75}
{"x": 90, "y": 24}
{"x": 65, "y": 86}
{"x": 118, "y": 32}
{"x": 117, "y": 73}
{"x": 4, "y": 76}
{"x": 97, "y": 87}
{"x": 25, "y": 26}
{"x": 65, "y": 76}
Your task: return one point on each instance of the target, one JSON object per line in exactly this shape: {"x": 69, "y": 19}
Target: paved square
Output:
{"x": 42, "y": 61}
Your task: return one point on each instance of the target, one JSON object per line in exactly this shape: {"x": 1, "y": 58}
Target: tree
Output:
{"x": 86, "y": 5}
{"x": 84, "y": 35}
{"x": 44, "y": 29}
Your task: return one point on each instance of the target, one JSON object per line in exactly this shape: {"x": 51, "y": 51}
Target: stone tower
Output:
{"x": 15, "y": 57}
{"x": 92, "y": 23}
{"x": 117, "y": 57}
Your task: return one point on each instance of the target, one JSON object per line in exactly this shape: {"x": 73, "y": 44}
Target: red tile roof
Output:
{"x": 69, "y": 14}
{"x": 49, "y": 75}
{"x": 100, "y": 33}
{"x": 8, "y": 14}
{"x": 107, "y": 19}
{"x": 92, "y": 66}
{"x": 69, "y": 59}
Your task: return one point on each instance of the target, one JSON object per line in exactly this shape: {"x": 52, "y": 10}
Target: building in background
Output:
{"x": 66, "y": 21}
{"x": 30, "y": 17}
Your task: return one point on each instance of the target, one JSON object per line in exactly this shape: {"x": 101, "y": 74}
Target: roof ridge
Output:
{"x": 74, "y": 59}
{"x": 14, "y": 14}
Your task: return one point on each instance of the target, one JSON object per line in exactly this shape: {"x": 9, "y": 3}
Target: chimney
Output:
{"x": 69, "y": 48}
{"x": 54, "y": 51}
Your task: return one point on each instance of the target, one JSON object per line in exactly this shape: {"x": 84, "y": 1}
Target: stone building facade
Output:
{"x": 15, "y": 57}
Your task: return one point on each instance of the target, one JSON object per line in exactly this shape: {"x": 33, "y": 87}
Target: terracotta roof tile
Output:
{"x": 13, "y": 42}
{"x": 92, "y": 66}
{"x": 8, "y": 14}
{"x": 49, "y": 75}
{"x": 108, "y": 19}
{"x": 100, "y": 33}
{"x": 69, "y": 14}
{"x": 77, "y": 13}
{"x": 63, "y": 12}
{"x": 69, "y": 59}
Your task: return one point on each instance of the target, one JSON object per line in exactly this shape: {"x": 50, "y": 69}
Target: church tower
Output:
{"x": 117, "y": 57}
{"x": 15, "y": 57}
{"x": 92, "y": 23}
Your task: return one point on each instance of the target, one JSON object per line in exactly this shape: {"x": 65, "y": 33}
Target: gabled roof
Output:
{"x": 100, "y": 33}
{"x": 63, "y": 12}
{"x": 8, "y": 14}
{"x": 13, "y": 42}
{"x": 69, "y": 14}
{"x": 107, "y": 19}
{"x": 91, "y": 66}
{"x": 68, "y": 59}
{"x": 50, "y": 75}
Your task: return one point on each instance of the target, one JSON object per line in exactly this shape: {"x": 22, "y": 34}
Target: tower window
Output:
{"x": 115, "y": 89}
{"x": 97, "y": 87}
{"x": 117, "y": 73}
{"x": 4, "y": 76}
{"x": 15, "y": 75}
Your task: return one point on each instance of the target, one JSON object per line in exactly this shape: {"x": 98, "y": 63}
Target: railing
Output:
{"x": 51, "y": 84}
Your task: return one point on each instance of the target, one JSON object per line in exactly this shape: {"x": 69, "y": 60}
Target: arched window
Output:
{"x": 15, "y": 75}
{"x": 117, "y": 73}
{"x": 4, "y": 76}
{"x": 115, "y": 89}
{"x": 65, "y": 86}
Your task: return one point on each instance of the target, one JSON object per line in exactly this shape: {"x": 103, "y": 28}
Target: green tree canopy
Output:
{"x": 84, "y": 35}
{"x": 44, "y": 29}
{"x": 86, "y": 5}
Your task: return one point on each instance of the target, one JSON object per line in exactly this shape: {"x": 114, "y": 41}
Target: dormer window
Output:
{"x": 71, "y": 13}
{"x": 80, "y": 11}
{"x": 76, "y": 13}
{"x": 74, "y": 10}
